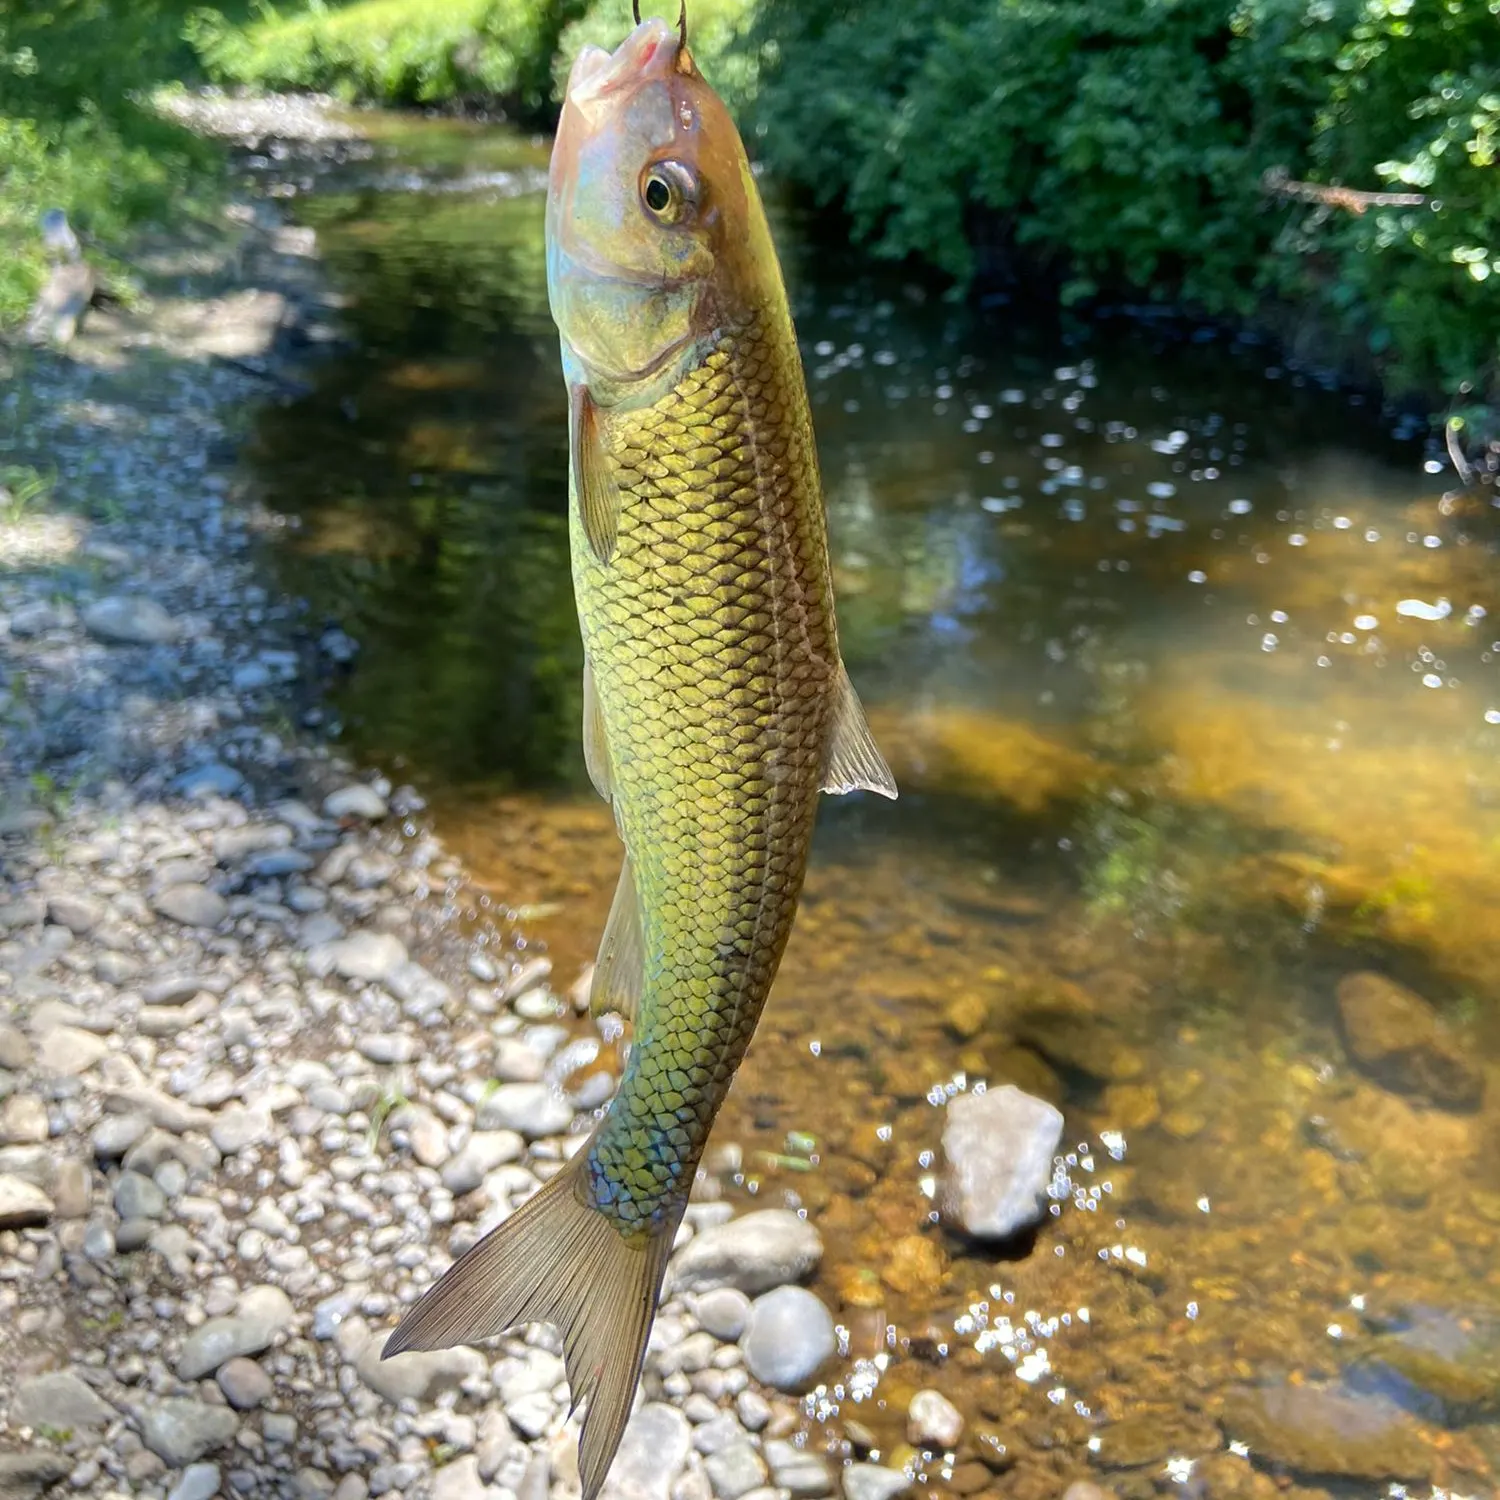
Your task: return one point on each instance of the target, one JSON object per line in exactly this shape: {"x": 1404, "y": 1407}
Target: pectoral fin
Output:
{"x": 595, "y": 746}
{"x": 598, "y": 495}
{"x": 853, "y": 763}
{"x": 620, "y": 971}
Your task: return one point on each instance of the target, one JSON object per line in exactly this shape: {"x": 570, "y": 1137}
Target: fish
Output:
{"x": 716, "y": 705}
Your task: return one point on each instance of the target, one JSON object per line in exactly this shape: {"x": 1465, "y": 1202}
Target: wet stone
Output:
{"x": 789, "y": 1338}
{"x": 23, "y": 1475}
{"x": 417, "y": 1376}
{"x": 263, "y": 1313}
{"x": 481, "y": 1154}
{"x": 1395, "y": 1037}
{"x": 239, "y": 1127}
{"x": 998, "y": 1148}
{"x": 367, "y": 956}
{"x": 15, "y": 1050}
{"x": 79, "y": 914}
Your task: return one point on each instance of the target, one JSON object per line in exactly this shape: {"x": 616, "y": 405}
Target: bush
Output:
{"x": 1124, "y": 142}
{"x": 395, "y": 51}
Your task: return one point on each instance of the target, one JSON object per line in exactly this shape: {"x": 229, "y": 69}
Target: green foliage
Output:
{"x": 394, "y": 51}
{"x": 1125, "y": 142}
{"x": 1414, "y": 105}
{"x": 74, "y": 133}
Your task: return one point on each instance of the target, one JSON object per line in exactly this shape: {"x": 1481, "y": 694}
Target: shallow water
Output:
{"x": 1188, "y": 673}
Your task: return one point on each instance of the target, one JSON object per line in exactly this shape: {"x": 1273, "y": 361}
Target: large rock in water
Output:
{"x": 998, "y": 1148}
{"x": 762, "y": 1250}
{"x": 1315, "y": 1430}
{"x": 1396, "y": 1038}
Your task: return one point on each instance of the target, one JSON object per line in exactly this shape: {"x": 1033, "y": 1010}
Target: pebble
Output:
{"x": 244, "y": 1383}
{"x": 180, "y": 1431}
{"x": 22, "y": 1203}
{"x": 129, "y": 620}
{"x": 238, "y": 1128}
{"x": 367, "y": 956}
{"x": 530, "y": 1109}
{"x": 67, "y": 1051}
{"x": 933, "y": 1421}
{"x": 873, "y": 1482}
{"x": 60, "y": 1399}
{"x": 355, "y": 801}
{"x": 198, "y": 1482}
{"x": 421, "y": 1376}
{"x": 23, "y": 1120}
{"x": 191, "y": 904}
{"x": 79, "y": 914}
{"x": 735, "y": 1470}
{"x": 478, "y": 1157}
{"x": 761, "y": 1250}
{"x": 723, "y": 1312}
{"x": 264, "y": 1312}
{"x": 651, "y": 1455}
{"x": 801, "y": 1472}
{"x": 138, "y": 1197}
{"x": 788, "y": 1339}
{"x": 1397, "y": 1038}
{"x": 998, "y": 1148}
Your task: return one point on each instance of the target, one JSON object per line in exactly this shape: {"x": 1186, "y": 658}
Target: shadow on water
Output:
{"x": 1186, "y": 669}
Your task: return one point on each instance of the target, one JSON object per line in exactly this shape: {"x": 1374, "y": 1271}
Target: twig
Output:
{"x": 1355, "y": 200}
{"x": 1465, "y": 470}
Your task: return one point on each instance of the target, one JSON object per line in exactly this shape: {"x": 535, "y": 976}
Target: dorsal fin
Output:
{"x": 598, "y": 495}
{"x": 853, "y": 762}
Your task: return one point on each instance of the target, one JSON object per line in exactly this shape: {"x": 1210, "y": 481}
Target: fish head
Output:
{"x": 647, "y": 185}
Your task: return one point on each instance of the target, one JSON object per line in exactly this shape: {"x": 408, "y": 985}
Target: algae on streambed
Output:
{"x": 1133, "y": 610}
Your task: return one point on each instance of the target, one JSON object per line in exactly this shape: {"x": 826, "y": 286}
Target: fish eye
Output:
{"x": 669, "y": 190}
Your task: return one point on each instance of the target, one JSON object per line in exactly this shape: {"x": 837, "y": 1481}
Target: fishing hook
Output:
{"x": 635, "y": 10}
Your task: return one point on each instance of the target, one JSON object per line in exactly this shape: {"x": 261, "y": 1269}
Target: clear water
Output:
{"x": 1187, "y": 670}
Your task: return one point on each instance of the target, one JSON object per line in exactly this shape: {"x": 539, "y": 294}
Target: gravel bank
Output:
{"x": 259, "y": 1080}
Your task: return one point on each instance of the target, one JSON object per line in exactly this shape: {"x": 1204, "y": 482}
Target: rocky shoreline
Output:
{"x": 260, "y": 1080}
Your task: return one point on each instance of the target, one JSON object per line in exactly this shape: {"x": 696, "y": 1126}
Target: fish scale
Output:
{"x": 711, "y": 637}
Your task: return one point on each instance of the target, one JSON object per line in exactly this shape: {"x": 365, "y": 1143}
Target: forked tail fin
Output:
{"x": 557, "y": 1260}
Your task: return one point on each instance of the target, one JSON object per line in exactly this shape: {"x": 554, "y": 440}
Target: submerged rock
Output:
{"x": 59, "y": 1400}
{"x": 1394, "y": 1036}
{"x": 180, "y": 1431}
{"x": 1318, "y": 1431}
{"x": 998, "y": 1148}
{"x": 129, "y": 620}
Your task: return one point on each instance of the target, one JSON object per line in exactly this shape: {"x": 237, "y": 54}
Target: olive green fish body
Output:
{"x": 711, "y": 639}
{"x": 716, "y": 707}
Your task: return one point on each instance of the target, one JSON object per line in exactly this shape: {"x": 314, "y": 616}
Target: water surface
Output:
{"x": 1187, "y": 670}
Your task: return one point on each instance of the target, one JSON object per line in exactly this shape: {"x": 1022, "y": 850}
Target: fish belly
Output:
{"x": 711, "y": 639}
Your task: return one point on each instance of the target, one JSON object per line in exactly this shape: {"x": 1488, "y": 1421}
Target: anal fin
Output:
{"x": 595, "y": 745}
{"x": 620, "y": 971}
{"x": 853, "y": 762}
{"x": 598, "y": 494}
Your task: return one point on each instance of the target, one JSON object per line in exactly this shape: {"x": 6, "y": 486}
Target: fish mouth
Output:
{"x": 650, "y": 51}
